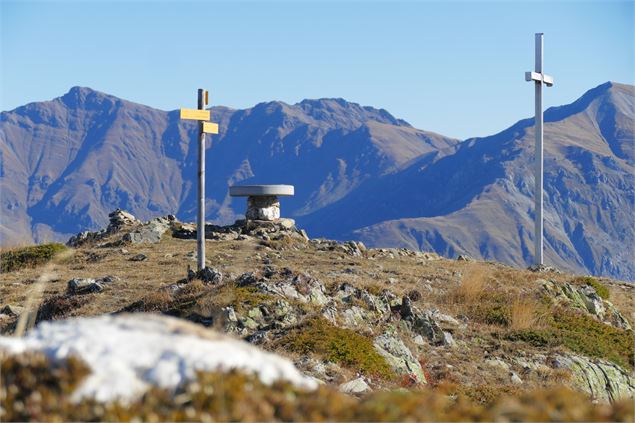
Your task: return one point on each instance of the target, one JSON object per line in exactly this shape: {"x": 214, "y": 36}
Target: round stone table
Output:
{"x": 262, "y": 200}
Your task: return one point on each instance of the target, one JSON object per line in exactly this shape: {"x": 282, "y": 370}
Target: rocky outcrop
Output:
{"x": 400, "y": 358}
{"x": 429, "y": 323}
{"x": 603, "y": 380}
{"x": 585, "y": 297}
{"x": 150, "y": 232}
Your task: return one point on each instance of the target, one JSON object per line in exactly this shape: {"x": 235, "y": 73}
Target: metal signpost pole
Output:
{"x": 204, "y": 127}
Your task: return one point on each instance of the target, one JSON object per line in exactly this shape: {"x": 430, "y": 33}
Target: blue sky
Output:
{"x": 456, "y": 68}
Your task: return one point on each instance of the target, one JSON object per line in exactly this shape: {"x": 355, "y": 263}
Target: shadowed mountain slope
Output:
{"x": 479, "y": 200}
{"x": 66, "y": 163}
{"x": 359, "y": 172}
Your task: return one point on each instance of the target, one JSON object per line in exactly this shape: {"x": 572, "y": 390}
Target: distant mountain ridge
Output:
{"x": 359, "y": 172}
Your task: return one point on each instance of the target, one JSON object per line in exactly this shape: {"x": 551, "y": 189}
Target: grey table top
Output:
{"x": 261, "y": 190}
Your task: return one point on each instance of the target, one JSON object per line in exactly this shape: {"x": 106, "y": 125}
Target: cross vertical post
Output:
{"x": 539, "y": 160}
{"x": 200, "y": 220}
{"x": 539, "y": 78}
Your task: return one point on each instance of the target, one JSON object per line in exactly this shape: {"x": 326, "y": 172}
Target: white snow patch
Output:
{"x": 129, "y": 353}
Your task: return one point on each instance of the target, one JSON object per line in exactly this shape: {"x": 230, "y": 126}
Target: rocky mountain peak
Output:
{"x": 329, "y": 107}
{"x": 85, "y": 97}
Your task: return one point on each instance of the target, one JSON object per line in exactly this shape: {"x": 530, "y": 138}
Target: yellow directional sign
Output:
{"x": 195, "y": 114}
{"x": 210, "y": 128}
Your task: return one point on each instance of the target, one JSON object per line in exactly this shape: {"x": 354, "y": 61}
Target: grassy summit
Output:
{"x": 464, "y": 338}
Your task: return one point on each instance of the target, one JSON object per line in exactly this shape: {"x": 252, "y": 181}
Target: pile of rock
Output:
{"x": 244, "y": 230}
{"x": 119, "y": 220}
{"x": 351, "y": 248}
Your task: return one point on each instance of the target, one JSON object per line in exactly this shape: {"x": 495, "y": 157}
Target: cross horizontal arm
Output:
{"x": 539, "y": 77}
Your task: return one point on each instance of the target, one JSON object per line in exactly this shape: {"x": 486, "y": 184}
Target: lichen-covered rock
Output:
{"x": 398, "y": 356}
{"x": 355, "y": 317}
{"x": 375, "y": 303}
{"x": 586, "y": 298}
{"x": 427, "y": 324}
{"x": 248, "y": 278}
{"x": 300, "y": 287}
{"x": 603, "y": 380}
{"x": 355, "y": 386}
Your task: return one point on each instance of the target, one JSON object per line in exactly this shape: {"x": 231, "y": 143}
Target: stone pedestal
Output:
{"x": 262, "y": 200}
{"x": 263, "y": 208}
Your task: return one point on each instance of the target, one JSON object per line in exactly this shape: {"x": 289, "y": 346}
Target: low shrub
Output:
{"x": 35, "y": 255}
{"x": 492, "y": 310}
{"x": 159, "y": 301}
{"x": 496, "y": 314}
{"x": 537, "y": 338}
{"x": 247, "y": 297}
{"x": 340, "y": 345}
{"x": 60, "y": 306}
{"x": 582, "y": 334}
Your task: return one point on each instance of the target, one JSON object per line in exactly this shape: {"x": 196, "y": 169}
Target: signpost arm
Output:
{"x": 539, "y": 158}
{"x": 200, "y": 221}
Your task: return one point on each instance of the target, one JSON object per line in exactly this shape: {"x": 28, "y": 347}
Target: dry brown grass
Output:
{"x": 473, "y": 285}
{"x": 524, "y": 314}
{"x": 156, "y": 301}
{"x": 195, "y": 286}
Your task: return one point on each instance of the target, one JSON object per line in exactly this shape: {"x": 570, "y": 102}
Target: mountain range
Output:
{"x": 358, "y": 171}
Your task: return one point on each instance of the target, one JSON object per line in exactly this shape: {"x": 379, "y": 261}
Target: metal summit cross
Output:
{"x": 539, "y": 78}
{"x": 201, "y": 115}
